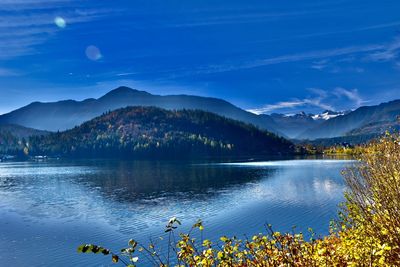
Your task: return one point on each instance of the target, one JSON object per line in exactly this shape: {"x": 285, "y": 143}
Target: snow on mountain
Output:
{"x": 328, "y": 114}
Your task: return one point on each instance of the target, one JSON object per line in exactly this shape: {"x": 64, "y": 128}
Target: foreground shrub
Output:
{"x": 373, "y": 201}
{"x": 367, "y": 234}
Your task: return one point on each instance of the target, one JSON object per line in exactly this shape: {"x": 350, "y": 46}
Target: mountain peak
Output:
{"x": 328, "y": 114}
{"x": 124, "y": 91}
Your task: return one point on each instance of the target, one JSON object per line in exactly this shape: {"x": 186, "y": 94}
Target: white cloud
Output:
{"x": 338, "y": 98}
{"x": 276, "y": 106}
{"x": 314, "y": 102}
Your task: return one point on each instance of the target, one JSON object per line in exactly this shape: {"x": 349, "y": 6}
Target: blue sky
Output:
{"x": 265, "y": 56}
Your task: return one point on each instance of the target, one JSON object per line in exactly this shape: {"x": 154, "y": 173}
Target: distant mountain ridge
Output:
{"x": 136, "y": 132}
{"x": 63, "y": 115}
{"x": 293, "y": 125}
{"x": 349, "y": 123}
{"x": 20, "y": 131}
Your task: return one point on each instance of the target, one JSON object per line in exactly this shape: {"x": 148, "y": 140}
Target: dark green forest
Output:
{"x": 10, "y": 144}
{"x": 14, "y": 138}
{"x": 136, "y": 132}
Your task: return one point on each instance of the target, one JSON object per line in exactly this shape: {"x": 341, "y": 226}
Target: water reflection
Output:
{"x": 125, "y": 198}
{"x": 132, "y": 181}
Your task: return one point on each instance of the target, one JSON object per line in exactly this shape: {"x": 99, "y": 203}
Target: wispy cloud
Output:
{"x": 351, "y": 94}
{"x": 21, "y": 33}
{"x": 126, "y": 73}
{"x": 30, "y": 4}
{"x": 313, "y": 55}
{"x": 240, "y": 18}
{"x": 290, "y": 105}
{"x": 320, "y": 99}
{"x": 4, "y": 72}
{"x": 378, "y": 51}
{"x": 320, "y": 64}
{"x": 387, "y": 53}
{"x": 298, "y": 57}
{"x": 335, "y": 66}
{"x": 320, "y": 59}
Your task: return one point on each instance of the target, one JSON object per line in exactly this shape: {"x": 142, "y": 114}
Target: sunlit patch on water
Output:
{"x": 303, "y": 162}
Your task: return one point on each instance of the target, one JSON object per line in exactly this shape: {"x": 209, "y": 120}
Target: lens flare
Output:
{"x": 60, "y": 22}
{"x": 93, "y": 53}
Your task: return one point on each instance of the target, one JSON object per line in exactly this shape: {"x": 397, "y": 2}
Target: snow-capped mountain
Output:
{"x": 292, "y": 125}
{"x": 328, "y": 114}
{"x": 363, "y": 120}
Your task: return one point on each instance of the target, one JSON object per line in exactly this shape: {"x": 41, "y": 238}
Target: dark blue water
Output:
{"x": 48, "y": 209}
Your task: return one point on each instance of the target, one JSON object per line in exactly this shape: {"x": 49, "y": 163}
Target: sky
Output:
{"x": 264, "y": 56}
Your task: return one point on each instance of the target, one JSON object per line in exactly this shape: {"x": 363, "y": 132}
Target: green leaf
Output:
{"x": 80, "y": 248}
{"x": 90, "y": 248}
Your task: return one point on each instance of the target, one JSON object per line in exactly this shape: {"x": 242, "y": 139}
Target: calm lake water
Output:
{"x": 47, "y": 209}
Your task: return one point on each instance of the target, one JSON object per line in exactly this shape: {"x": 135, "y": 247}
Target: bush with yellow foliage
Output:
{"x": 367, "y": 234}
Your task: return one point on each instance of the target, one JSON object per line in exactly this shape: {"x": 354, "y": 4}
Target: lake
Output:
{"x": 49, "y": 208}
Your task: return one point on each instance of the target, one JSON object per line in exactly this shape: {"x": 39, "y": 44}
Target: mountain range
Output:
{"x": 64, "y": 115}
{"x": 292, "y": 125}
{"x": 358, "y": 122}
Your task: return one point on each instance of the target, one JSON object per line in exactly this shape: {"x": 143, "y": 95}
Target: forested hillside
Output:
{"x": 154, "y": 132}
{"x": 13, "y": 138}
